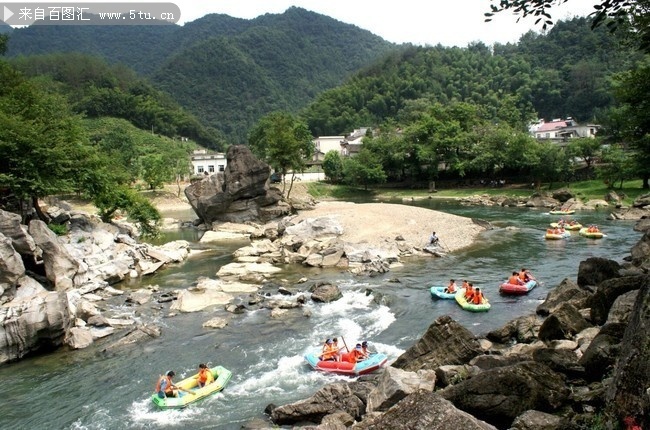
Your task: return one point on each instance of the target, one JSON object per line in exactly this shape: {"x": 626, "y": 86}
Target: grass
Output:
{"x": 585, "y": 190}
{"x": 597, "y": 189}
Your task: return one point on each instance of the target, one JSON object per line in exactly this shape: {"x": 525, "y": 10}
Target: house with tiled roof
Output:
{"x": 346, "y": 146}
{"x": 562, "y": 130}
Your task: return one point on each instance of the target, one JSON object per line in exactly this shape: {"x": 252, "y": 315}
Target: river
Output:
{"x": 91, "y": 389}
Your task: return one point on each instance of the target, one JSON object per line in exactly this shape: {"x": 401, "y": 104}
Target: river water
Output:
{"x": 92, "y": 389}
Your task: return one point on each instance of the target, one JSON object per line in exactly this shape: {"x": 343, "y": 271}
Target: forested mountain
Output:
{"x": 225, "y": 70}
{"x": 563, "y": 73}
{"x": 96, "y": 89}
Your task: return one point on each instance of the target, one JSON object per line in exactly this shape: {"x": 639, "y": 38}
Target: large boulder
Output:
{"x": 499, "y": 395}
{"x": 642, "y": 201}
{"x": 607, "y": 292}
{"x": 331, "y": 398}
{"x": 423, "y": 410}
{"x": 563, "y": 195}
{"x": 32, "y": 324}
{"x": 237, "y": 195}
{"x": 521, "y": 330}
{"x": 11, "y": 266}
{"x": 536, "y": 420}
{"x": 601, "y": 354}
{"x": 395, "y": 384}
{"x": 11, "y": 227}
{"x": 628, "y": 393}
{"x": 560, "y": 360}
{"x": 567, "y": 292}
{"x": 564, "y": 323}
{"x": 445, "y": 342}
{"x": 595, "y": 270}
{"x": 641, "y": 252}
{"x": 60, "y": 266}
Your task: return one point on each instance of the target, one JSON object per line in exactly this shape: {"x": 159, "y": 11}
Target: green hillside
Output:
{"x": 227, "y": 71}
{"x": 563, "y": 73}
{"x": 96, "y": 89}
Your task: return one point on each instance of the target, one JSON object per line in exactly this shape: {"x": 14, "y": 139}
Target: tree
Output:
{"x": 633, "y": 119}
{"x": 585, "y": 148}
{"x": 284, "y": 142}
{"x": 333, "y": 167}
{"x": 617, "y": 166}
{"x": 363, "y": 169}
{"x": 4, "y": 39}
{"x": 121, "y": 197}
{"x": 613, "y": 13}
{"x": 42, "y": 143}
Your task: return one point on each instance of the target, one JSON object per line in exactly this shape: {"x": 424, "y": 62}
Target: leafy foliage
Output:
{"x": 633, "y": 116}
{"x": 566, "y": 72}
{"x": 333, "y": 167}
{"x": 614, "y": 14}
{"x": 229, "y": 72}
{"x": 283, "y": 141}
{"x": 42, "y": 141}
{"x": 97, "y": 89}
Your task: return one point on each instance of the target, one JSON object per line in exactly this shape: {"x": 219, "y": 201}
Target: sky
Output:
{"x": 421, "y": 22}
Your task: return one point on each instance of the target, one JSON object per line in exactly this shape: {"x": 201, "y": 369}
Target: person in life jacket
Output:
{"x": 469, "y": 291}
{"x": 356, "y": 354}
{"x": 477, "y": 298}
{"x": 204, "y": 377}
{"x": 514, "y": 279}
{"x": 364, "y": 349}
{"x": 451, "y": 288}
{"x": 465, "y": 285}
{"x": 337, "y": 348}
{"x": 329, "y": 353}
{"x": 524, "y": 276}
{"x": 165, "y": 387}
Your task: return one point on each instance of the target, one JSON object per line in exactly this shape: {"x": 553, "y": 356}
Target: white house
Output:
{"x": 344, "y": 145}
{"x": 205, "y": 162}
{"x": 325, "y": 144}
{"x": 561, "y": 130}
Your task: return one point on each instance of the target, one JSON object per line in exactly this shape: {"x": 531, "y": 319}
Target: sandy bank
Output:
{"x": 375, "y": 223}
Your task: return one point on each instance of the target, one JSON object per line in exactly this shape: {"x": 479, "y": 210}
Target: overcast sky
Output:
{"x": 450, "y": 23}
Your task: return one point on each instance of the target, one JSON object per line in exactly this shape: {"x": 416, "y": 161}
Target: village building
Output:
{"x": 346, "y": 146}
{"x": 560, "y": 131}
{"x": 204, "y": 162}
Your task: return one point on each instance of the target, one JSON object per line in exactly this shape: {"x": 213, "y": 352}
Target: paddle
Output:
{"x": 187, "y": 391}
{"x": 346, "y": 345}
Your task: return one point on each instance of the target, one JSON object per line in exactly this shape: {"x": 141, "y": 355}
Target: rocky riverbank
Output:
{"x": 579, "y": 363}
{"x": 51, "y": 286}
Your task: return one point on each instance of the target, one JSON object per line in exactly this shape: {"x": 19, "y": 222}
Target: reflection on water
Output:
{"x": 94, "y": 389}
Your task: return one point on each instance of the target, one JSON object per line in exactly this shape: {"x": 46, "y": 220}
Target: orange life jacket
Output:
{"x": 203, "y": 375}
{"x": 478, "y": 298}
{"x": 451, "y": 287}
{"x": 514, "y": 280}
{"x": 329, "y": 351}
{"x": 469, "y": 292}
{"x": 354, "y": 356}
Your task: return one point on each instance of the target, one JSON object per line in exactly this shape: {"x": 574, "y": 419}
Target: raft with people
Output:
{"x": 484, "y": 306}
{"x": 517, "y": 289}
{"x": 190, "y": 392}
{"x": 573, "y": 225}
{"x": 562, "y": 212}
{"x": 591, "y": 232}
{"x": 438, "y": 292}
{"x": 556, "y": 234}
{"x": 346, "y": 364}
